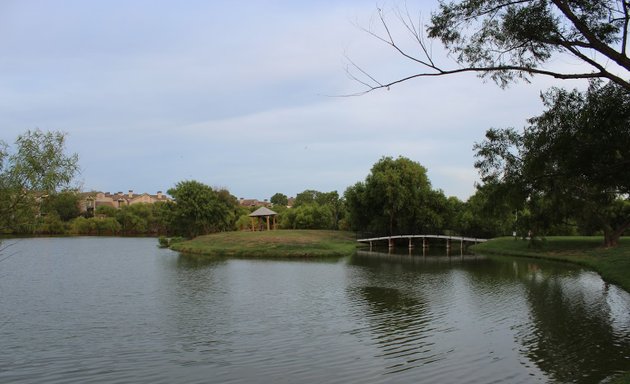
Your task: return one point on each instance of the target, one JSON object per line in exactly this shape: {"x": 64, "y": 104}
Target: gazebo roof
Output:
{"x": 262, "y": 211}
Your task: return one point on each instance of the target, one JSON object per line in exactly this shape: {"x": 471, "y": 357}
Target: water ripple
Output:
{"x": 120, "y": 311}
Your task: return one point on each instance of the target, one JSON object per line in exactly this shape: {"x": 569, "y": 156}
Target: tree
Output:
{"x": 395, "y": 197}
{"x": 308, "y": 196}
{"x": 133, "y": 219}
{"x": 571, "y": 161}
{"x": 489, "y": 213}
{"x": 311, "y": 209}
{"x": 508, "y": 40}
{"x": 312, "y": 216}
{"x": 64, "y": 204}
{"x": 38, "y": 167}
{"x": 199, "y": 209}
{"x": 279, "y": 199}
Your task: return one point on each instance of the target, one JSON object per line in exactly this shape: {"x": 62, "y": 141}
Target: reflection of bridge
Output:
{"x": 425, "y": 242}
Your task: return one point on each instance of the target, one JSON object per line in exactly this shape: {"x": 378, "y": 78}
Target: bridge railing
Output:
{"x": 410, "y": 237}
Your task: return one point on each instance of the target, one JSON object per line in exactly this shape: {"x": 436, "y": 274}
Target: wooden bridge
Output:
{"x": 425, "y": 242}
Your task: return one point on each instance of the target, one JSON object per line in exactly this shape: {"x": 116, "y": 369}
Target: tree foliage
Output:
{"x": 508, "y": 40}
{"x": 37, "y": 167}
{"x": 199, "y": 209}
{"x": 279, "y": 199}
{"x": 395, "y": 197}
{"x": 313, "y": 210}
{"x": 95, "y": 226}
{"x": 572, "y": 160}
{"x": 64, "y": 204}
{"x": 309, "y": 216}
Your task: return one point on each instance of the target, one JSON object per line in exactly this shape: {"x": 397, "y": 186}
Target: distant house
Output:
{"x": 254, "y": 203}
{"x": 93, "y": 200}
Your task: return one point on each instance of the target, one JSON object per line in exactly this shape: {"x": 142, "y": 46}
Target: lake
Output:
{"x": 120, "y": 310}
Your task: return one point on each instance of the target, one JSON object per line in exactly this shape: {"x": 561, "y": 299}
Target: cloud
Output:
{"x": 237, "y": 96}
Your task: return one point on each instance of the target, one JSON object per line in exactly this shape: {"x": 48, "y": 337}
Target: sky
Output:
{"x": 239, "y": 95}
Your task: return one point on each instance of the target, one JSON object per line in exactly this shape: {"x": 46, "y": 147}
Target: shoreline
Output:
{"x": 612, "y": 264}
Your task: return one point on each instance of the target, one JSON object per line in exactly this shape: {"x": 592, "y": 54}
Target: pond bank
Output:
{"x": 279, "y": 243}
{"x": 613, "y": 264}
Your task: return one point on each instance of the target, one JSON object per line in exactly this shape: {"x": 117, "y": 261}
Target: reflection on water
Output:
{"x": 571, "y": 325}
{"x": 565, "y": 324}
{"x": 121, "y": 310}
{"x": 400, "y": 325}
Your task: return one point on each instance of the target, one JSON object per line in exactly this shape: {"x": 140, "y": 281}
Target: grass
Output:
{"x": 613, "y": 264}
{"x": 280, "y": 243}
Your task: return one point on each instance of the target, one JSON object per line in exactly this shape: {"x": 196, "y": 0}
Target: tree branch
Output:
{"x": 624, "y": 37}
{"x": 596, "y": 44}
{"x": 443, "y": 72}
{"x": 577, "y": 45}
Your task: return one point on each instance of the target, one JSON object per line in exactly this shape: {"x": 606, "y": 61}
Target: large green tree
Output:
{"x": 199, "y": 209}
{"x": 508, "y": 40}
{"x": 279, "y": 199}
{"x": 314, "y": 210}
{"x": 571, "y": 161}
{"x": 489, "y": 213}
{"x": 64, "y": 204}
{"x": 395, "y": 197}
{"x": 36, "y": 167}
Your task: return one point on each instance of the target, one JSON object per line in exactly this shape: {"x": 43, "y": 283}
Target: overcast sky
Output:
{"x": 237, "y": 95}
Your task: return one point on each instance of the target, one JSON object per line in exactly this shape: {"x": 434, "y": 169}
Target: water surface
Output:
{"x": 112, "y": 310}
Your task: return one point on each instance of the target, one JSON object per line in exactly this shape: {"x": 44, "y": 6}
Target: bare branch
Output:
{"x": 504, "y": 69}
{"x": 362, "y": 71}
{"x": 563, "y": 76}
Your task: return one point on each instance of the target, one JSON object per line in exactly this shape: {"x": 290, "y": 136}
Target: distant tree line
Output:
{"x": 564, "y": 174}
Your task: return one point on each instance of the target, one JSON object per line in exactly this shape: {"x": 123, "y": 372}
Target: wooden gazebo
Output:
{"x": 261, "y": 213}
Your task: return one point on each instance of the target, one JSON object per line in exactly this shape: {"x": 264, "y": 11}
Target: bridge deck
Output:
{"x": 460, "y": 238}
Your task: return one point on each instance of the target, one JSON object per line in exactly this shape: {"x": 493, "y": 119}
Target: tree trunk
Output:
{"x": 611, "y": 235}
{"x": 610, "y": 240}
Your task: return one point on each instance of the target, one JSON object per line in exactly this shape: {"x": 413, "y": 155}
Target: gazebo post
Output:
{"x": 267, "y": 222}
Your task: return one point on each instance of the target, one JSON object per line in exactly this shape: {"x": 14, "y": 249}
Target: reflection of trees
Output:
{"x": 398, "y": 324}
{"x": 569, "y": 334}
{"x": 192, "y": 261}
{"x": 561, "y": 317}
{"x": 399, "y": 319}
{"x": 194, "y": 305}
{"x": 572, "y": 336}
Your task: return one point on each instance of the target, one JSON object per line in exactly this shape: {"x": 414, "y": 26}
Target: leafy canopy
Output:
{"x": 572, "y": 159}
{"x": 508, "y": 40}
{"x": 279, "y": 199}
{"x": 395, "y": 197}
{"x": 199, "y": 209}
{"x": 36, "y": 167}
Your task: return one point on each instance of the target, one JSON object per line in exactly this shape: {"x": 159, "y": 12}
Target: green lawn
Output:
{"x": 613, "y": 264}
{"x": 280, "y": 243}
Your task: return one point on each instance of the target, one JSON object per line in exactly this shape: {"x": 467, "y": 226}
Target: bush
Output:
{"x": 165, "y": 242}
{"x": 95, "y": 226}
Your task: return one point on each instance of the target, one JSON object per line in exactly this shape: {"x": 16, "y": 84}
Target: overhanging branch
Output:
{"x": 501, "y": 73}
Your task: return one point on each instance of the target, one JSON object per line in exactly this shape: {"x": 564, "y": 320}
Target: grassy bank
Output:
{"x": 281, "y": 243}
{"x": 613, "y": 264}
